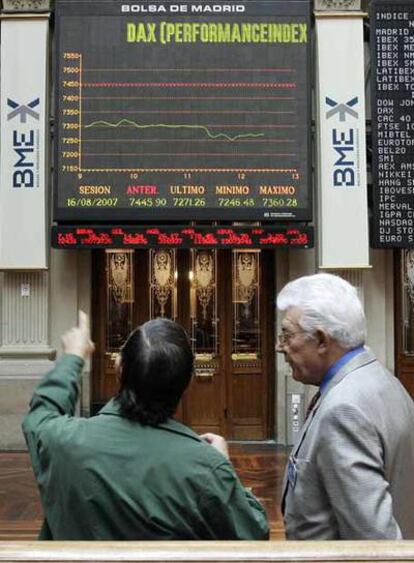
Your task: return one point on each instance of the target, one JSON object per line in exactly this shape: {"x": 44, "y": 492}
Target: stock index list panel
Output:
{"x": 392, "y": 25}
{"x": 182, "y": 111}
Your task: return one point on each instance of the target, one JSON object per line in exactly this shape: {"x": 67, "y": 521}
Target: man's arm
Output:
{"x": 57, "y": 393}
{"x": 350, "y": 461}
{"x": 232, "y": 511}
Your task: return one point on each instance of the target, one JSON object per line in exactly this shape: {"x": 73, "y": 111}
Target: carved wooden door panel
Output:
{"x": 225, "y": 301}
{"x": 231, "y": 315}
{"x": 404, "y": 318}
{"x": 251, "y": 361}
{"x": 113, "y": 318}
{"x": 203, "y": 403}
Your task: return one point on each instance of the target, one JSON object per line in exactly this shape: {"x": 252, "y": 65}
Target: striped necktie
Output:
{"x": 312, "y": 403}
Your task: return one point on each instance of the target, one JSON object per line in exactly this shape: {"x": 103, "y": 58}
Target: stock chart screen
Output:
{"x": 182, "y": 111}
{"x": 392, "y": 53}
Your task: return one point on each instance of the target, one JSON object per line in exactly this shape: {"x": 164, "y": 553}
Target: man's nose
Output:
{"x": 280, "y": 347}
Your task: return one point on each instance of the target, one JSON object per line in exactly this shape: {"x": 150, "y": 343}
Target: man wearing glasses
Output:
{"x": 350, "y": 473}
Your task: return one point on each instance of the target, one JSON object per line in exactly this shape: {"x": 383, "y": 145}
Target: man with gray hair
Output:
{"x": 350, "y": 474}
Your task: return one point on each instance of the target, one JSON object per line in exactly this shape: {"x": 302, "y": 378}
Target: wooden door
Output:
{"x": 225, "y": 301}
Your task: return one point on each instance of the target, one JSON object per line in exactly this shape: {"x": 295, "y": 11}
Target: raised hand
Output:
{"x": 77, "y": 340}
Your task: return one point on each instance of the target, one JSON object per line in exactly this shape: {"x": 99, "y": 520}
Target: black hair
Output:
{"x": 156, "y": 368}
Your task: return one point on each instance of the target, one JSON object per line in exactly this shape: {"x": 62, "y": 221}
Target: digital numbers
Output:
{"x": 147, "y": 202}
{"x": 189, "y": 202}
{"x": 236, "y": 202}
{"x": 71, "y": 119}
{"x": 92, "y": 202}
{"x": 280, "y": 202}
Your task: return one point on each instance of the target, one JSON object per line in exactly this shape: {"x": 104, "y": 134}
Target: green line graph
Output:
{"x": 130, "y": 123}
{"x": 198, "y": 136}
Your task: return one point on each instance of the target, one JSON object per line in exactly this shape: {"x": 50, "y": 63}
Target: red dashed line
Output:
{"x": 189, "y": 84}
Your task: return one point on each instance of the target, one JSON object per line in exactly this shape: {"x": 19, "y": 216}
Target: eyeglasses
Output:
{"x": 285, "y": 337}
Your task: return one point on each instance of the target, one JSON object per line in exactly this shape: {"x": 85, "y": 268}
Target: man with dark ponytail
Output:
{"x": 132, "y": 472}
{"x": 155, "y": 366}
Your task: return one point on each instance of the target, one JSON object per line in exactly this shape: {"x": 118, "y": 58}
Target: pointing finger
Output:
{"x": 83, "y": 321}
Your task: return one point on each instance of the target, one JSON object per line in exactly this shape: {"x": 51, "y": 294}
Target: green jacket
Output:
{"x": 109, "y": 478}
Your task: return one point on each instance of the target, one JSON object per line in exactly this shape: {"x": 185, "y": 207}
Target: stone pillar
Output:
{"x": 25, "y": 351}
{"x": 24, "y": 315}
{"x": 25, "y": 354}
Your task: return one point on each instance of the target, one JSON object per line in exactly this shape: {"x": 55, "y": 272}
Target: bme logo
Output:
{"x": 341, "y": 109}
{"x": 344, "y": 143}
{"x": 24, "y": 141}
{"x": 23, "y": 111}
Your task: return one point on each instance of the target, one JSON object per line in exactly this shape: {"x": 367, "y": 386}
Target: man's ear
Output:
{"x": 118, "y": 367}
{"x": 323, "y": 339}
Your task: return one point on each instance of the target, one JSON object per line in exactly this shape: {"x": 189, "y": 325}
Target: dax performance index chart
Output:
{"x": 182, "y": 111}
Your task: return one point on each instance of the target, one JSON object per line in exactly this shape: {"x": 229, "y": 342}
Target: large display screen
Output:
{"x": 392, "y": 25}
{"x": 182, "y": 111}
